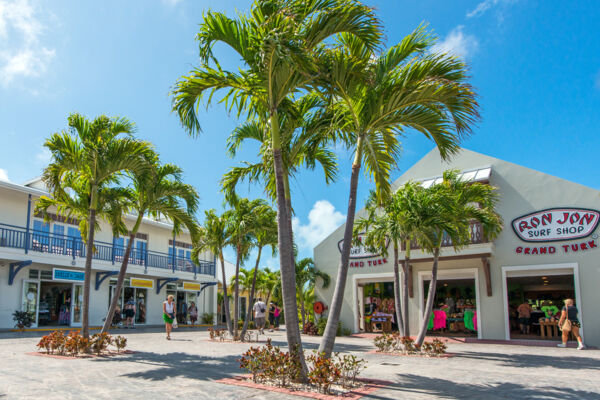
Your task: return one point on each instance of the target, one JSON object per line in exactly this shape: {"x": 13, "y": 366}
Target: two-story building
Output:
{"x": 42, "y": 266}
{"x": 549, "y": 250}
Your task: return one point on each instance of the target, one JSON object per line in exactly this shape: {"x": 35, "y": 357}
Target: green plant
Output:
{"x": 324, "y": 372}
{"x": 434, "y": 348}
{"x": 270, "y": 363}
{"x": 208, "y": 318}
{"x": 385, "y": 342}
{"x": 350, "y": 367}
{"x": 310, "y": 329}
{"x": 120, "y": 343}
{"x": 408, "y": 344}
{"x": 322, "y": 323}
{"x": 44, "y": 343}
{"x": 57, "y": 342}
{"x": 23, "y": 319}
{"x": 100, "y": 342}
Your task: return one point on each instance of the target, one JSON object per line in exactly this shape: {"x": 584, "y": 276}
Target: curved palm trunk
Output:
{"x": 302, "y": 309}
{"x": 120, "y": 279}
{"x": 236, "y": 295}
{"x": 288, "y": 272}
{"x": 328, "y": 340}
{"x": 405, "y": 288}
{"x": 252, "y": 289}
{"x": 430, "y": 298}
{"x": 85, "y": 320}
{"x": 225, "y": 296}
{"x": 397, "y": 304}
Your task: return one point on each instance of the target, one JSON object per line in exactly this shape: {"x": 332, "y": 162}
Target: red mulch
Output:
{"x": 80, "y": 356}
{"x": 370, "y": 386}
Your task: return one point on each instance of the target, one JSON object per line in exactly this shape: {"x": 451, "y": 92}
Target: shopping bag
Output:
{"x": 175, "y": 326}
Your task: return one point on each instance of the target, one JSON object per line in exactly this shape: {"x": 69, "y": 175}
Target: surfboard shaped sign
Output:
{"x": 360, "y": 251}
{"x": 556, "y": 224}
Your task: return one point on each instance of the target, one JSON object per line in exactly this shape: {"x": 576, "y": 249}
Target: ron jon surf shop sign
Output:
{"x": 361, "y": 252}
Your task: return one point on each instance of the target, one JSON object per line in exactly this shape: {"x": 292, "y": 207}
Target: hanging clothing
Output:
{"x": 430, "y": 324}
{"x": 468, "y": 319}
{"x": 439, "y": 320}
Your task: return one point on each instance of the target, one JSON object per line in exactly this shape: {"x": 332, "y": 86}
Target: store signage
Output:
{"x": 556, "y": 224}
{"x": 67, "y": 275}
{"x": 360, "y": 251}
{"x": 565, "y": 248}
{"x": 192, "y": 286}
{"x": 141, "y": 283}
{"x": 368, "y": 263}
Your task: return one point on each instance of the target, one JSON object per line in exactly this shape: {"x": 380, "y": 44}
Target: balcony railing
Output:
{"x": 476, "y": 234}
{"x": 45, "y": 242}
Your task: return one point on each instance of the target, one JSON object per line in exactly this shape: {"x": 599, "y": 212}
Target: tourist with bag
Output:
{"x": 260, "y": 311}
{"x": 169, "y": 315}
{"x": 570, "y": 323}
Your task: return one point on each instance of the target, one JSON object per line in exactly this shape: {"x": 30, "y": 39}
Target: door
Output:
{"x": 140, "y": 302}
{"x": 29, "y": 302}
{"x": 76, "y": 304}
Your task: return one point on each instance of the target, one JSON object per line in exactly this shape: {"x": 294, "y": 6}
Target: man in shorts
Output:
{"x": 524, "y": 311}
{"x": 260, "y": 312}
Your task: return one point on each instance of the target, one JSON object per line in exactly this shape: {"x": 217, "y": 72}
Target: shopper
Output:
{"x": 524, "y": 311}
{"x": 193, "y": 311}
{"x": 130, "y": 313}
{"x": 570, "y": 323}
{"x": 260, "y": 311}
{"x": 277, "y": 314}
{"x": 169, "y": 315}
{"x": 272, "y": 316}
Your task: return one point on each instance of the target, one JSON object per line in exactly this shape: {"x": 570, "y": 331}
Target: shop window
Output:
{"x": 46, "y": 274}
{"x": 34, "y": 274}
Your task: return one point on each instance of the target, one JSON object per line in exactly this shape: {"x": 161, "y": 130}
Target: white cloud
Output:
{"x": 4, "y": 175}
{"x": 458, "y": 43}
{"x": 21, "y": 53}
{"x": 486, "y": 5}
{"x": 322, "y": 220}
{"x": 44, "y": 156}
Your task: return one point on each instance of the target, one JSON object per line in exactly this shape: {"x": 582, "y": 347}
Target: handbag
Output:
{"x": 566, "y": 326}
{"x": 174, "y": 325}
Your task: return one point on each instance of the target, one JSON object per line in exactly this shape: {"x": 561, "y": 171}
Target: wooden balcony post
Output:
{"x": 488, "y": 278}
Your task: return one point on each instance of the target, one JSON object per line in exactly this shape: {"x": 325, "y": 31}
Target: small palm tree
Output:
{"x": 214, "y": 236}
{"x": 447, "y": 210}
{"x": 269, "y": 282}
{"x": 156, "y": 191}
{"x": 91, "y": 155}
{"x": 306, "y": 279}
{"x": 374, "y": 99}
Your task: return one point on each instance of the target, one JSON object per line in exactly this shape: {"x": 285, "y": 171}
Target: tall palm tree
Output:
{"x": 447, "y": 210}
{"x": 265, "y": 234}
{"x": 94, "y": 154}
{"x": 156, "y": 191}
{"x": 269, "y": 282}
{"x": 375, "y": 98}
{"x": 306, "y": 279}
{"x": 214, "y": 236}
{"x": 278, "y": 42}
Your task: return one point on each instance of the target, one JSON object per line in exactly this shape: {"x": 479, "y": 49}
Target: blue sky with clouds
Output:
{"x": 536, "y": 67}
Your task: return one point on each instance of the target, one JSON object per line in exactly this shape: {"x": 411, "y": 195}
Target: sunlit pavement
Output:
{"x": 189, "y": 365}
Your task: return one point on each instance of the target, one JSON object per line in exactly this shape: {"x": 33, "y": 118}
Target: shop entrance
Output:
{"x": 535, "y": 302}
{"x": 55, "y": 304}
{"x": 183, "y": 301}
{"x": 132, "y": 295}
{"x": 377, "y": 306}
{"x": 454, "y": 307}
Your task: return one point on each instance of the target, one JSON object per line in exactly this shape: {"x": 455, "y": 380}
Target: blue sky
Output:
{"x": 536, "y": 67}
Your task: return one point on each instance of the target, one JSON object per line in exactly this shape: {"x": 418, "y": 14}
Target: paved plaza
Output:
{"x": 189, "y": 365}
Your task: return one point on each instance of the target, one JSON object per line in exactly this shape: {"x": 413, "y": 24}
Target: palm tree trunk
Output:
{"x": 120, "y": 279}
{"x": 249, "y": 313}
{"x": 328, "y": 340}
{"x": 302, "y": 309}
{"x": 397, "y": 303}
{"x": 288, "y": 272}
{"x": 85, "y": 320}
{"x": 236, "y": 296}
{"x": 430, "y": 298}
{"x": 405, "y": 288}
{"x": 225, "y": 296}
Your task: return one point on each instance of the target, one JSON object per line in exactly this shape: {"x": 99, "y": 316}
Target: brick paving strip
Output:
{"x": 370, "y": 385}
{"x": 445, "y": 355}
{"x": 80, "y": 356}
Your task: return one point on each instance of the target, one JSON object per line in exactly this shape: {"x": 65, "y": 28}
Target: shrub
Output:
{"x": 409, "y": 345}
{"x": 270, "y": 363}
{"x": 322, "y": 323}
{"x": 217, "y": 334}
{"x": 350, "y": 367}
{"x": 44, "y": 343}
{"x": 385, "y": 342}
{"x": 100, "y": 342}
{"x": 208, "y": 318}
{"x": 75, "y": 343}
{"x": 23, "y": 319}
{"x": 120, "y": 343}
{"x": 310, "y": 329}
{"x": 323, "y": 373}
{"x": 434, "y": 348}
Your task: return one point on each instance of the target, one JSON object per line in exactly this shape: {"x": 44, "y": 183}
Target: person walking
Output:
{"x": 169, "y": 315}
{"x": 524, "y": 311}
{"x": 271, "y": 316}
{"x": 276, "y": 314}
{"x": 193, "y": 311}
{"x": 260, "y": 311}
{"x": 570, "y": 323}
{"x": 130, "y": 313}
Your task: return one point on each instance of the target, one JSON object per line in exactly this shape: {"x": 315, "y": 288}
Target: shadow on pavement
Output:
{"x": 414, "y": 385}
{"x": 534, "y": 360}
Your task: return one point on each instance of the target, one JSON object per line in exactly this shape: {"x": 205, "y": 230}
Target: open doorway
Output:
{"x": 534, "y": 304}
{"x": 454, "y": 307}
{"x": 55, "y": 304}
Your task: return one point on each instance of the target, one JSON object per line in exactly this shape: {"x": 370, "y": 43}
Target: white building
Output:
{"x": 42, "y": 266}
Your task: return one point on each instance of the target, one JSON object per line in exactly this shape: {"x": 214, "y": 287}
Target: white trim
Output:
{"x": 540, "y": 269}
{"x": 446, "y": 274}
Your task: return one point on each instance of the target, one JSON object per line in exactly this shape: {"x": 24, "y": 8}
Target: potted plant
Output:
{"x": 23, "y": 320}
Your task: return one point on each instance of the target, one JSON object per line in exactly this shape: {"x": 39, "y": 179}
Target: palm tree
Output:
{"x": 156, "y": 191}
{"x": 214, "y": 236}
{"x": 92, "y": 155}
{"x": 447, "y": 210}
{"x": 265, "y": 234}
{"x": 374, "y": 100}
{"x": 271, "y": 279}
{"x": 306, "y": 279}
{"x": 278, "y": 43}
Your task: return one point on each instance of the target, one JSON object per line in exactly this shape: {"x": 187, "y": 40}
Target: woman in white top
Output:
{"x": 169, "y": 314}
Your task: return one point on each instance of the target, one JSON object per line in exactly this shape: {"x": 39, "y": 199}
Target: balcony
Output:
{"x": 476, "y": 234}
{"x": 45, "y": 242}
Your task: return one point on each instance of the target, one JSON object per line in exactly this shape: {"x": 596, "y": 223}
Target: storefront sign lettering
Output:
{"x": 360, "y": 251}
{"x": 556, "y": 224}
{"x": 368, "y": 263}
{"x": 67, "y": 275}
{"x": 141, "y": 283}
{"x": 566, "y": 248}
{"x": 192, "y": 286}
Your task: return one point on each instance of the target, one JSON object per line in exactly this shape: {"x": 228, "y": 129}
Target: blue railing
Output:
{"x": 46, "y": 242}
